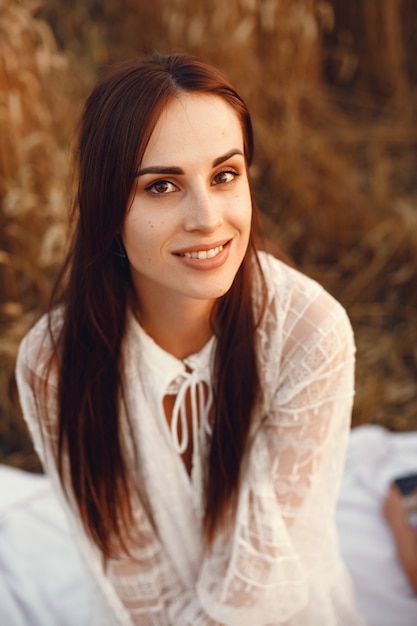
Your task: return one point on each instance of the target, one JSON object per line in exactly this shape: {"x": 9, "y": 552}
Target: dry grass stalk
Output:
{"x": 334, "y": 168}
{"x": 34, "y": 116}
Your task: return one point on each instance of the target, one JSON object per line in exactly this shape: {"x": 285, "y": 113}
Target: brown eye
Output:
{"x": 224, "y": 177}
{"x": 161, "y": 187}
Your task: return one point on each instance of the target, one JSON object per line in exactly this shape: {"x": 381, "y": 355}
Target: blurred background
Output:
{"x": 332, "y": 89}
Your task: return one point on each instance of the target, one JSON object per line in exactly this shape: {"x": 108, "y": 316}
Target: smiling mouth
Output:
{"x": 203, "y": 254}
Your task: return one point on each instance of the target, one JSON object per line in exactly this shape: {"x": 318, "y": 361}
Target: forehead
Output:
{"x": 194, "y": 126}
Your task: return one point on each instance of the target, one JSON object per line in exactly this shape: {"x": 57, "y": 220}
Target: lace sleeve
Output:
{"x": 308, "y": 423}
{"x": 37, "y": 387}
{"x": 282, "y": 565}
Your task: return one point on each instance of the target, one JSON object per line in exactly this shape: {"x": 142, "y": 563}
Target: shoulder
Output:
{"x": 306, "y": 347}
{"x": 37, "y": 346}
{"x": 292, "y": 295}
{"x": 285, "y": 281}
{"x": 301, "y": 323}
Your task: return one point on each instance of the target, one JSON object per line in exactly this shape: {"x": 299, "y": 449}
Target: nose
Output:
{"x": 203, "y": 211}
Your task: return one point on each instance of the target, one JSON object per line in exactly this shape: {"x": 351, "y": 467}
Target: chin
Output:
{"x": 214, "y": 293}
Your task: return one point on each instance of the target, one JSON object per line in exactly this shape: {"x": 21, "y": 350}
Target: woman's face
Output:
{"x": 188, "y": 227}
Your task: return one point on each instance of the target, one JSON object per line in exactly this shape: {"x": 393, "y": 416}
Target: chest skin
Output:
{"x": 168, "y": 404}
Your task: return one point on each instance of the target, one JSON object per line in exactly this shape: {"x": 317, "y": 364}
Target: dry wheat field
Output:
{"x": 332, "y": 89}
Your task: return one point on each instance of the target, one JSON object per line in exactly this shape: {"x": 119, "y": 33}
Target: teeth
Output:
{"x": 204, "y": 254}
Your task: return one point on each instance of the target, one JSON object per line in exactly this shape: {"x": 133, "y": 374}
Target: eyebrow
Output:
{"x": 171, "y": 170}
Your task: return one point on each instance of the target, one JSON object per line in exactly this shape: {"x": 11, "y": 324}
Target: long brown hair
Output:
{"x": 94, "y": 286}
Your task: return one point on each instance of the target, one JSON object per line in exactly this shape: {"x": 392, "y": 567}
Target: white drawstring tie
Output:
{"x": 201, "y": 399}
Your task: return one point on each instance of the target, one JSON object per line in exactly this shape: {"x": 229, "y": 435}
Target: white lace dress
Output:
{"x": 280, "y": 565}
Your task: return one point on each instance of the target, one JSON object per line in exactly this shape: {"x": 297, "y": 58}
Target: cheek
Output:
{"x": 133, "y": 231}
{"x": 245, "y": 214}
{"x": 144, "y": 239}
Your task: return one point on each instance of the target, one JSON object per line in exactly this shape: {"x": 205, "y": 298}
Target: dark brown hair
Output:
{"x": 94, "y": 287}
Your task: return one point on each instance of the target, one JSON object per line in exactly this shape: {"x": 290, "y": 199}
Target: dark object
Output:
{"x": 407, "y": 483}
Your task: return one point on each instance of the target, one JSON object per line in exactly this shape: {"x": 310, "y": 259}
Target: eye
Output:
{"x": 161, "y": 187}
{"x": 224, "y": 177}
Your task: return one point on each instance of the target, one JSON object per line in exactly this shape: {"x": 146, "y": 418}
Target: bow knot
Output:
{"x": 200, "y": 400}
{"x": 193, "y": 394}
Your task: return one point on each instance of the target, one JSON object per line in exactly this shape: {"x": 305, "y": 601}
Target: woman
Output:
{"x": 189, "y": 395}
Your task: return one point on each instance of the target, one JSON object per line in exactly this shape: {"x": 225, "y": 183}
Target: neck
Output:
{"x": 181, "y": 328}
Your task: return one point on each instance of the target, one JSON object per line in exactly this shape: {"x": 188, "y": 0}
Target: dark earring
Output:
{"x": 119, "y": 248}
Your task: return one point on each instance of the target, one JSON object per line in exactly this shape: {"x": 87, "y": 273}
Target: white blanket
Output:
{"x": 41, "y": 578}
{"x": 375, "y": 457}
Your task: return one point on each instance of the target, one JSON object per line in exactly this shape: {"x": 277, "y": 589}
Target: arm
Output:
{"x": 309, "y": 422}
{"x": 284, "y": 563}
{"x": 404, "y": 536}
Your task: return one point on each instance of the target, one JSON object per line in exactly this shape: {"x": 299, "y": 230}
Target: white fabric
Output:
{"x": 41, "y": 577}
{"x": 375, "y": 458}
{"x": 43, "y": 583}
{"x": 280, "y": 564}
